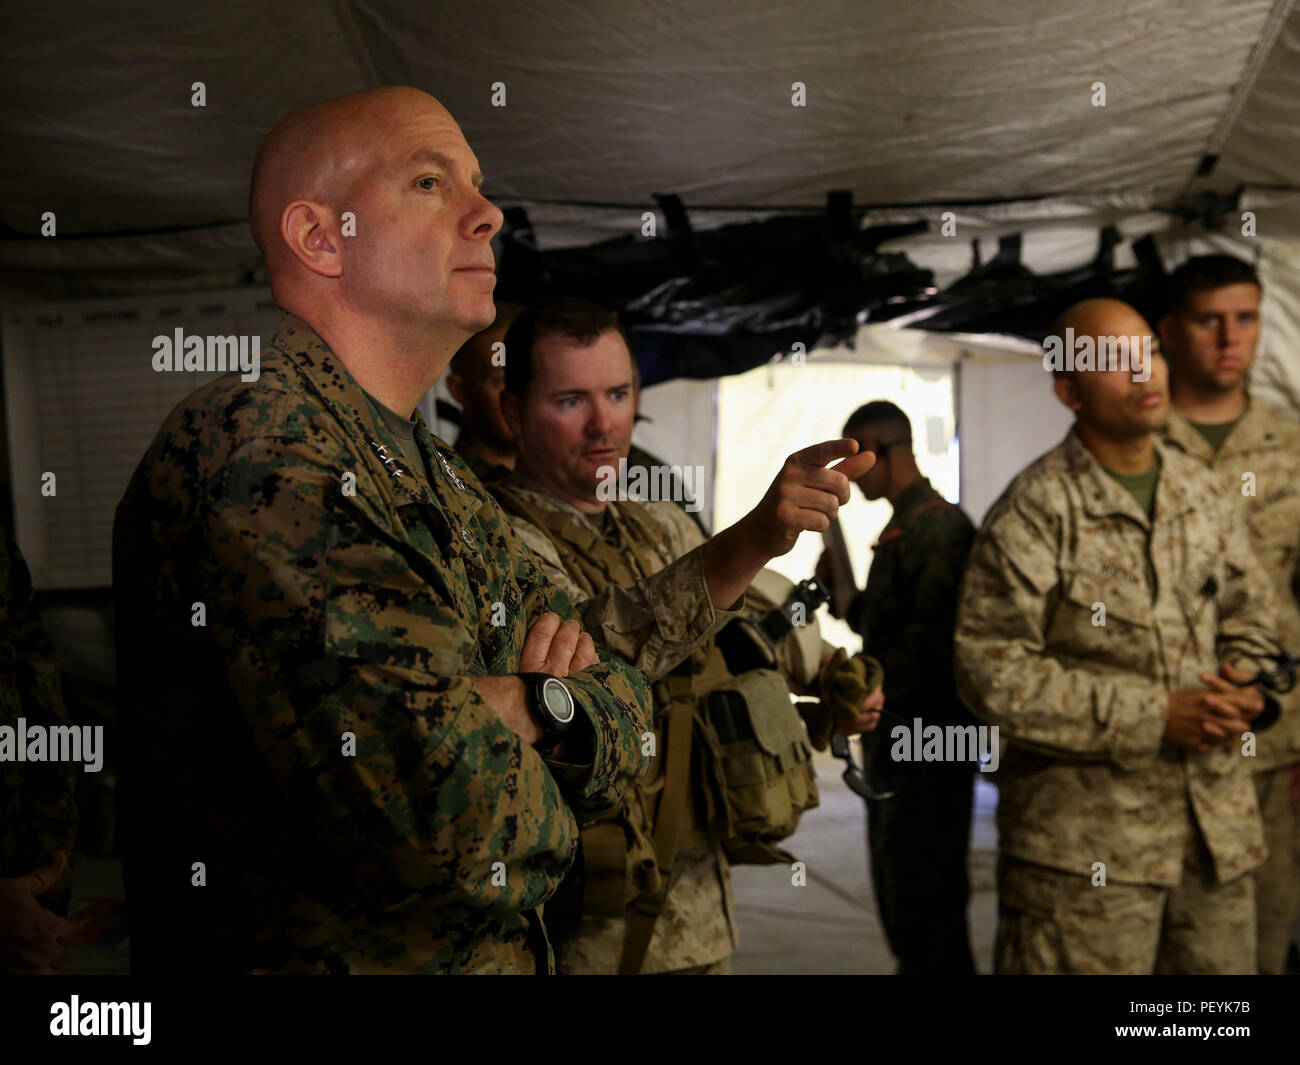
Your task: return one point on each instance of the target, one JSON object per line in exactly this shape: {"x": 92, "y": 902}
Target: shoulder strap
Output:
{"x": 590, "y": 560}
{"x": 638, "y": 531}
{"x": 599, "y": 563}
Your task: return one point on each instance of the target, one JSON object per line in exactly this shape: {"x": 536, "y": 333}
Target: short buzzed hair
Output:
{"x": 879, "y": 414}
{"x": 1203, "y": 273}
{"x": 574, "y": 317}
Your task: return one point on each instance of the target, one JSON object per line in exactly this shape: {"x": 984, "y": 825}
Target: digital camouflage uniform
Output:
{"x": 919, "y": 837}
{"x": 346, "y": 597}
{"x": 1085, "y": 776}
{"x": 38, "y": 813}
{"x": 1266, "y": 444}
{"x": 479, "y": 466}
{"x": 654, "y": 625}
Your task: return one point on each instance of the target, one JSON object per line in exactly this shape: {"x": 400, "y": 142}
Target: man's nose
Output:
{"x": 483, "y": 219}
{"x": 600, "y": 423}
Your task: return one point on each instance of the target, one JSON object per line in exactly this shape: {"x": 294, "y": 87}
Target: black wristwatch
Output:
{"x": 553, "y": 707}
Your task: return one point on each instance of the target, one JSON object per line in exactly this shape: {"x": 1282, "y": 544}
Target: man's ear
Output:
{"x": 1067, "y": 391}
{"x": 456, "y": 386}
{"x": 311, "y": 233}
{"x": 1165, "y": 330}
{"x": 866, "y": 442}
{"x": 511, "y": 409}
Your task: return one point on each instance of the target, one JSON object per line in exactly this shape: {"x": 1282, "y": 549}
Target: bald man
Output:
{"x": 364, "y": 726}
{"x": 1111, "y": 600}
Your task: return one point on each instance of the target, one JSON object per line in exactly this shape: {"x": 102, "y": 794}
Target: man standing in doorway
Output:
{"x": 918, "y": 837}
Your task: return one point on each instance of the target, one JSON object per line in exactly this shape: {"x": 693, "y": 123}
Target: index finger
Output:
{"x": 548, "y": 623}
{"x": 537, "y": 644}
{"x": 1224, "y": 714}
{"x": 1233, "y": 673}
{"x": 1219, "y": 684}
{"x": 584, "y": 654}
{"x": 855, "y": 466}
{"x": 1243, "y": 699}
{"x": 827, "y": 451}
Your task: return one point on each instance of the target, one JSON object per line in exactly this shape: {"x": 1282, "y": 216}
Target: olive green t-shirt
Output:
{"x": 404, "y": 430}
{"x": 1216, "y": 433}
{"x": 1141, "y": 486}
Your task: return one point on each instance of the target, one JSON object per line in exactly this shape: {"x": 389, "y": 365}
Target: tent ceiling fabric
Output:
{"x": 1257, "y": 150}
{"x": 931, "y": 102}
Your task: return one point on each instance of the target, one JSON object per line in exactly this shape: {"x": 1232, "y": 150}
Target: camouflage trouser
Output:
{"x": 1055, "y": 922}
{"x": 1277, "y": 881}
{"x": 718, "y": 968}
{"x": 918, "y": 841}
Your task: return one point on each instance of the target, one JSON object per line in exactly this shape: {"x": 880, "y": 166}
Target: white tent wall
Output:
{"x": 1007, "y": 415}
{"x": 680, "y": 428}
{"x": 1277, "y": 375}
{"x": 772, "y": 411}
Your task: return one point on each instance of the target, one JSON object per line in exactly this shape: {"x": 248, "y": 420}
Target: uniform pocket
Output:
{"x": 378, "y": 609}
{"x": 1029, "y": 889}
{"x": 1107, "y": 624}
{"x": 1130, "y": 604}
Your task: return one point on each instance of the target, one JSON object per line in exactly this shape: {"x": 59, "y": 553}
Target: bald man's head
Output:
{"x": 315, "y": 152}
{"x": 1113, "y": 376}
{"x": 1101, "y": 316}
{"x": 370, "y": 203}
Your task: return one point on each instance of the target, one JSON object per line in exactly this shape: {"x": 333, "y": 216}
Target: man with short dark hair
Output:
{"x": 919, "y": 836}
{"x": 653, "y": 891}
{"x": 1209, "y": 334}
{"x": 475, "y": 380}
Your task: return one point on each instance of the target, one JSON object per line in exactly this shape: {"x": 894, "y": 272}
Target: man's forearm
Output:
{"x": 657, "y": 623}
{"x": 508, "y": 696}
{"x": 730, "y": 562}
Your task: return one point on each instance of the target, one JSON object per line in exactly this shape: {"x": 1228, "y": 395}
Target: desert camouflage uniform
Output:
{"x": 918, "y": 838}
{"x": 38, "y": 813}
{"x": 1085, "y": 776}
{"x": 345, "y": 596}
{"x": 1266, "y": 443}
{"x": 655, "y": 625}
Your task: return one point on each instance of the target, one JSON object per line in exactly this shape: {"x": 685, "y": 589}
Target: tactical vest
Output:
{"x": 734, "y": 764}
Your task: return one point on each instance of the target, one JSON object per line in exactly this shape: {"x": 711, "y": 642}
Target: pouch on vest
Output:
{"x": 761, "y": 765}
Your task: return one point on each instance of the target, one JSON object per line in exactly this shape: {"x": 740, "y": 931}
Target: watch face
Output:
{"x": 559, "y": 703}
